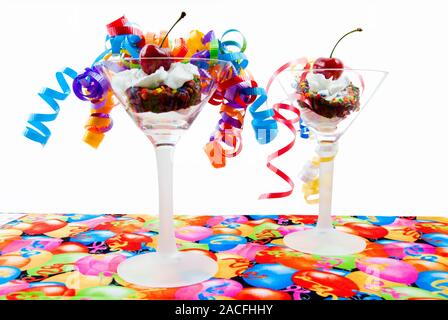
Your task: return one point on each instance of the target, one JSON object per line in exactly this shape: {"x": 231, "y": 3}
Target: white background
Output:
{"x": 392, "y": 161}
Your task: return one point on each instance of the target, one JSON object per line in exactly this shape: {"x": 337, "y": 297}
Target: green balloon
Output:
{"x": 341, "y": 220}
{"x": 404, "y": 293}
{"x": 265, "y": 230}
{"x": 66, "y": 259}
{"x": 341, "y": 262}
{"x": 105, "y": 293}
{"x": 193, "y": 245}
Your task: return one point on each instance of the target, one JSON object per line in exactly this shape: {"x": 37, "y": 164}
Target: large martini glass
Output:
{"x": 328, "y": 116}
{"x": 164, "y": 114}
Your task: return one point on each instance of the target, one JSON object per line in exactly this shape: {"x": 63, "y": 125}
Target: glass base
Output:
{"x": 325, "y": 242}
{"x": 157, "y": 270}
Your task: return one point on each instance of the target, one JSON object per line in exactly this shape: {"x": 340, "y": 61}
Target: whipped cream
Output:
{"x": 175, "y": 77}
{"x": 327, "y": 88}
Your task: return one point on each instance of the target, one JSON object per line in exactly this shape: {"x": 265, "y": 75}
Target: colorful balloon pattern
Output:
{"x": 75, "y": 257}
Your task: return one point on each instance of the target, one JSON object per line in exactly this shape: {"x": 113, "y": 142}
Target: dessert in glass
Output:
{"x": 163, "y": 96}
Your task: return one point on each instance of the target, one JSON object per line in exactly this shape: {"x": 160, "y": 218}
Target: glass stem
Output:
{"x": 326, "y": 151}
{"x": 167, "y": 239}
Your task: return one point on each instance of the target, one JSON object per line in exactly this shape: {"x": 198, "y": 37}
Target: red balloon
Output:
{"x": 432, "y": 227}
{"x": 128, "y": 241}
{"x": 374, "y": 250}
{"x": 204, "y": 252}
{"x": 261, "y": 294}
{"x": 367, "y": 230}
{"x": 287, "y": 257}
{"x": 325, "y": 283}
{"x": 49, "y": 291}
{"x": 119, "y": 226}
{"x": 254, "y": 223}
{"x": 302, "y": 219}
{"x": 68, "y": 247}
{"x": 442, "y": 251}
{"x": 41, "y": 227}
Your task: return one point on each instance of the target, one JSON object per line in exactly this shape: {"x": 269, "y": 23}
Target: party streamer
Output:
{"x": 234, "y": 95}
{"x": 40, "y": 133}
{"x": 289, "y": 123}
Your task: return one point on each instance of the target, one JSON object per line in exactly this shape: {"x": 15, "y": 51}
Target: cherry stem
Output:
{"x": 356, "y": 30}
{"x": 182, "y": 15}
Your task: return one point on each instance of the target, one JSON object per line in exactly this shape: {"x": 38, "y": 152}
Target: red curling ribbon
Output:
{"x": 289, "y": 123}
{"x": 180, "y": 49}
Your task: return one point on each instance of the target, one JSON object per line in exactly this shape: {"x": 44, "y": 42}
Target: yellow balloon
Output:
{"x": 402, "y": 233}
{"x": 278, "y": 241}
{"x": 77, "y": 280}
{"x": 245, "y": 230}
{"x": 68, "y": 230}
{"x": 231, "y": 265}
{"x": 38, "y": 258}
{"x": 439, "y": 219}
{"x": 371, "y": 284}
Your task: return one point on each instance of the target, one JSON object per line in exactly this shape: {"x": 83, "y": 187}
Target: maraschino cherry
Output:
{"x": 332, "y": 63}
{"x": 152, "y": 51}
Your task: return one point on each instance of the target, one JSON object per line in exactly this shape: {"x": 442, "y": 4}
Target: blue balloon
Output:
{"x": 73, "y": 217}
{"x": 271, "y": 276}
{"x": 222, "y": 242}
{"x": 44, "y": 283}
{"x": 261, "y": 216}
{"x": 386, "y": 241}
{"x": 436, "y": 239}
{"x": 92, "y": 236}
{"x": 8, "y": 273}
{"x": 37, "y": 238}
{"x": 434, "y": 281}
{"x": 378, "y": 220}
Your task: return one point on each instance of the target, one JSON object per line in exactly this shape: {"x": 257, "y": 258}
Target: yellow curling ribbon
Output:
{"x": 194, "y": 42}
{"x": 311, "y": 189}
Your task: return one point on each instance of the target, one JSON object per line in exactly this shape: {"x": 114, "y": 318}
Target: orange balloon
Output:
{"x": 426, "y": 265}
{"x": 224, "y": 230}
{"x": 261, "y": 294}
{"x": 68, "y": 247}
{"x": 13, "y": 260}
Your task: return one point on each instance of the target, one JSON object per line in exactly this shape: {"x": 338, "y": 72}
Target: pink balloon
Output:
{"x": 248, "y": 250}
{"x": 47, "y": 244}
{"x": 193, "y": 233}
{"x": 208, "y": 289}
{"x": 403, "y": 249}
{"x": 94, "y": 265}
{"x": 13, "y": 286}
{"x": 388, "y": 269}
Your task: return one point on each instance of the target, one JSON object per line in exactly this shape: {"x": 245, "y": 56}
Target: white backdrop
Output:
{"x": 392, "y": 161}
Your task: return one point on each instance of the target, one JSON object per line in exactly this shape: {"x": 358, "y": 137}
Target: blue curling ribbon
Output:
{"x": 41, "y": 133}
{"x": 265, "y": 129}
{"x": 304, "y": 131}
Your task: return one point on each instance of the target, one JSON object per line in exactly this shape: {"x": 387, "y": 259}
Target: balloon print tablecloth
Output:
{"x": 75, "y": 257}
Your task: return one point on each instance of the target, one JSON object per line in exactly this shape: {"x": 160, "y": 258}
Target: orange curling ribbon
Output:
{"x": 98, "y": 123}
{"x": 180, "y": 48}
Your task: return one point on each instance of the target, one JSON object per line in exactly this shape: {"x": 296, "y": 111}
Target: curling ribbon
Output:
{"x": 91, "y": 85}
{"x": 289, "y": 123}
{"x": 310, "y": 178}
{"x": 234, "y": 95}
{"x": 42, "y": 134}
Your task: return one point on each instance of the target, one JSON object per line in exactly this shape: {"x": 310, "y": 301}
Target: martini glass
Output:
{"x": 164, "y": 115}
{"x": 328, "y": 122}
